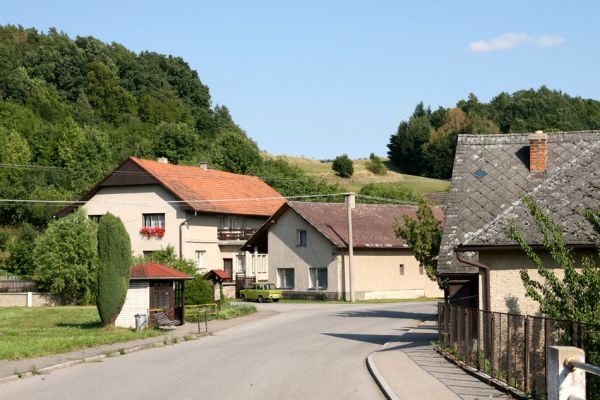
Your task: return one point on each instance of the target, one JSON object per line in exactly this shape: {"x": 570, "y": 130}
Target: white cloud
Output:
{"x": 511, "y": 40}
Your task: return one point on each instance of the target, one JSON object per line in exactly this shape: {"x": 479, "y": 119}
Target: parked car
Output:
{"x": 261, "y": 292}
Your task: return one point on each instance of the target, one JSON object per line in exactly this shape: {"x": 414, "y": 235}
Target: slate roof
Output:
{"x": 156, "y": 271}
{"x": 372, "y": 224}
{"x": 234, "y": 193}
{"x": 481, "y": 209}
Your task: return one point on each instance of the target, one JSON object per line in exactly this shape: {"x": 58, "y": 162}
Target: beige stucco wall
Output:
{"x": 283, "y": 252}
{"x": 377, "y": 271}
{"x": 136, "y": 302}
{"x": 377, "y": 275}
{"x": 199, "y": 233}
{"x": 507, "y": 293}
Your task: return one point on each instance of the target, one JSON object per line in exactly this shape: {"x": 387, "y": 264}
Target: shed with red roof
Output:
{"x": 153, "y": 286}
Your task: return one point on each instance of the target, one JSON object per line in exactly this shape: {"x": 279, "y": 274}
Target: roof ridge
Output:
{"x": 504, "y": 214}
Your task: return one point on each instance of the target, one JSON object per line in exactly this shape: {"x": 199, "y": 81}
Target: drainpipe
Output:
{"x": 181, "y": 233}
{"x": 481, "y": 267}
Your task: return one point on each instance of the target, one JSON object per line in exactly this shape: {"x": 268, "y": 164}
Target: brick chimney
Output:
{"x": 203, "y": 166}
{"x": 538, "y": 153}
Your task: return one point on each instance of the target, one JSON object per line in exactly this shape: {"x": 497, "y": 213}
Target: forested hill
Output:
{"x": 75, "y": 108}
{"x": 425, "y": 144}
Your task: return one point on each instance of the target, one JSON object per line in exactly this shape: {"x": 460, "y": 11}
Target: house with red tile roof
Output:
{"x": 205, "y": 214}
{"x": 307, "y": 245}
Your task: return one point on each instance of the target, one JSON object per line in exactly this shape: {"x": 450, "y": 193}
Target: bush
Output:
{"x": 392, "y": 191}
{"x": 343, "y": 166}
{"x": 375, "y": 165}
{"x": 21, "y": 260}
{"x": 114, "y": 267}
{"x": 66, "y": 258}
{"x": 199, "y": 291}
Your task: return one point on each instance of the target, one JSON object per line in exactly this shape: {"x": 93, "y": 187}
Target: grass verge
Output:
{"x": 33, "y": 332}
{"x": 228, "y": 311}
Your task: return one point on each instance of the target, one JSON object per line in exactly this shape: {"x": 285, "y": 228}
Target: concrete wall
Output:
{"x": 136, "y": 302}
{"x": 507, "y": 293}
{"x": 283, "y": 253}
{"x": 198, "y": 234}
{"x": 377, "y": 275}
{"x": 377, "y": 271}
{"x": 20, "y": 300}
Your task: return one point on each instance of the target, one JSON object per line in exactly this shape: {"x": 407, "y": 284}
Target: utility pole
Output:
{"x": 350, "y": 204}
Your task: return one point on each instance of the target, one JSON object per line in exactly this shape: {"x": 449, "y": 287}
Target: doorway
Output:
{"x": 228, "y": 267}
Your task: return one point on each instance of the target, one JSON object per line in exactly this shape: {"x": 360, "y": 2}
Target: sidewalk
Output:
{"x": 409, "y": 368}
{"x": 9, "y": 369}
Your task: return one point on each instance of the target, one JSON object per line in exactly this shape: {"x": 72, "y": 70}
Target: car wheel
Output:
{"x": 243, "y": 297}
{"x": 261, "y": 299}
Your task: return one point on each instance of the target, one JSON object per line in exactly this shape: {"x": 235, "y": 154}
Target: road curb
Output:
{"x": 385, "y": 387}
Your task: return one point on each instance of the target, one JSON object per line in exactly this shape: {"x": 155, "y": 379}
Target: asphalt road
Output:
{"x": 307, "y": 351}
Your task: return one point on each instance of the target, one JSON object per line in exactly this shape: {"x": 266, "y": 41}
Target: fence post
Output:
{"x": 563, "y": 383}
{"x": 29, "y": 299}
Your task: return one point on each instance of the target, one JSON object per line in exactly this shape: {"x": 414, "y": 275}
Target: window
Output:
{"x": 421, "y": 269}
{"x": 318, "y": 278}
{"x": 231, "y": 222}
{"x": 301, "y": 237}
{"x": 240, "y": 264}
{"x": 401, "y": 269}
{"x": 200, "y": 259}
{"x": 259, "y": 263}
{"x": 154, "y": 220}
{"x": 148, "y": 253}
{"x": 285, "y": 278}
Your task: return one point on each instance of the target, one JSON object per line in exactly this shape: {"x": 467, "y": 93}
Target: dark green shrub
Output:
{"x": 375, "y": 165}
{"x": 387, "y": 190}
{"x": 21, "y": 252}
{"x": 114, "y": 267}
{"x": 198, "y": 291}
{"x": 343, "y": 166}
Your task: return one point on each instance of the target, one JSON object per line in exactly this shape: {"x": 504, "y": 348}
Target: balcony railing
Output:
{"x": 235, "y": 234}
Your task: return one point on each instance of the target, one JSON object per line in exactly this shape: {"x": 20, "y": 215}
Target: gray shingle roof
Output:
{"x": 480, "y": 209}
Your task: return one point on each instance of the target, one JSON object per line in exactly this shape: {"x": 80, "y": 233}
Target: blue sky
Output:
{"x": 321, "y": 78}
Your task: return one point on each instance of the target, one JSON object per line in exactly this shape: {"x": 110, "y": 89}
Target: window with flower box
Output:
{"x": 153, "y": 226}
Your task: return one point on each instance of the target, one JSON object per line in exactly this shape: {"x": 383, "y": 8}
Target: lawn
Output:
{"x": 362, "y": 176}
{"x": 32, "y": 332}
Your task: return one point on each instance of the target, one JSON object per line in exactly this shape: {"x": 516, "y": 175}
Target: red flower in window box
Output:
{"x": 152, "y": 231}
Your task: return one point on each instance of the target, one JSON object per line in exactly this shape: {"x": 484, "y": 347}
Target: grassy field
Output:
{"x": 33, "y": 332}
{"x": 363, "y": 176}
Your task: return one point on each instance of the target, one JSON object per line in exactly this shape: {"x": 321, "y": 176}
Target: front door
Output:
{"x": 228, "y": 266}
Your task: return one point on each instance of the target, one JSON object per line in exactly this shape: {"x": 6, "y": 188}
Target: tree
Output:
{"x": 236, "y": 152}
{"x": 572, "y": 295}
{"x": 21, "y": 261}
{"x": 406, "y": 146}
{"x": 343, "y": 166}
{"x": 576, "y": 296}
{"x": 114, "y": 267}
{"x": 66, "y": 258}
{"x": 375, "y": 165}
{"x": 423, "y": 236}
{"x": 387, "y": 190}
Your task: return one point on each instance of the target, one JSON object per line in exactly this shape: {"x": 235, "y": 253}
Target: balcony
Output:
{"x": 235, "y": 234}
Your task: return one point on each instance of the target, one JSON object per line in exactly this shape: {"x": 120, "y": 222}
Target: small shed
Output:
{"x": 153, "y": 285}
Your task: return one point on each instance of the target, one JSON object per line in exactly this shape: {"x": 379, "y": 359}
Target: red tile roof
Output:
{"x": 219, "y": 273}
{"x": 152, "y": 271}
{"x": 372, "y": 224}
{"x": 231, "y": 193}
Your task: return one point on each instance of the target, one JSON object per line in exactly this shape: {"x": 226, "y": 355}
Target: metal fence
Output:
{"x": 510, "y": 347}
{"x": 13, "y": 286}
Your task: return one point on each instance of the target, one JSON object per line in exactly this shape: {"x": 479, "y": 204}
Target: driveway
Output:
{"x": 307, "y": 351}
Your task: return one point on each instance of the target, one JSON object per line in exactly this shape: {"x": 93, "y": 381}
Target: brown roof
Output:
{"x": 152, "y": 271}
{"x": 372, "y": 224}
{"x": 235, "y": 194}
{"x": 219, "y": 273}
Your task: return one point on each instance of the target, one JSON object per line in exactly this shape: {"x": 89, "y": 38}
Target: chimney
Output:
{"x": 203, "y": 166}
{"x": 163, "y": 160}
{"x": 538, "y": 153}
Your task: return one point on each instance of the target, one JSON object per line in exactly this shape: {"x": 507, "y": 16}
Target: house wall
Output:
{"x": 377, "y": 271}
{"x": 377, "y": 275}
{"x": 136, "y": 302}
{"x": 199, "y": 232}
{"x": 283, "y": 252}
{"x": 507, "y": 293}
